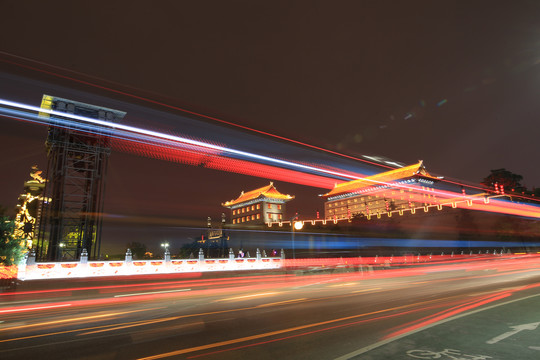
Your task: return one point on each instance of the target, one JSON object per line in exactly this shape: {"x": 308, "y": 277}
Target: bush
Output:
{"x": 12, "y": 249}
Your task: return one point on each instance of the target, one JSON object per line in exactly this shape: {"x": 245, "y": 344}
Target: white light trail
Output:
{"x": 136, "y": 130}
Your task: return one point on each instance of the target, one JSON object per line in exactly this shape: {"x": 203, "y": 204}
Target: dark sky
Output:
{"x": 455, "y": 83}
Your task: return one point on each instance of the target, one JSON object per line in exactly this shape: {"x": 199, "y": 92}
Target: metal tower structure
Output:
{"x": 77, "y": 164}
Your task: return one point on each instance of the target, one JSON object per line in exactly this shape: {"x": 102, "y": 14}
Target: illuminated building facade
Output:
{"x": 77, "y": 164}
{"x": 400, "y": 189}
{"x": 259, "y": 206}
{"x": 29, "y": 207}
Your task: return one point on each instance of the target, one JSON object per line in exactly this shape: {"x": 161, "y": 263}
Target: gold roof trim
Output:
{"x": 384, "y": 177}
{"x": 268, "y": 191}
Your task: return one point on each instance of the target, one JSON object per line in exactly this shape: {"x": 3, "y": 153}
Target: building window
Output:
{"x": 234, "y": 212}
{"x": 269, "y": 206}
{"x": 252, "y": 217}
{"x": 279, "y": 207}
{"x": 258, "y": 216}
{"x": 234, "y": 221}
{"x": 258, "y": 206}
{"x": 247, "y": 218}
{"x": 269, "y": 216}
{"x": 243, "y": 210}
{"x": 252, "y": 207}
{"x": 280, "y": 216}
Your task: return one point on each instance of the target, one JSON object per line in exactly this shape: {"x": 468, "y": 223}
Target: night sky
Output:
{"x": 454, "y": 83}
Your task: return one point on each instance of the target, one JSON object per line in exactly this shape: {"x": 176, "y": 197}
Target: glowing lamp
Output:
{"x": 298, "y": 225}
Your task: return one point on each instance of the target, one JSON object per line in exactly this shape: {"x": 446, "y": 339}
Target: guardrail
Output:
{"x": 30, "y": 270}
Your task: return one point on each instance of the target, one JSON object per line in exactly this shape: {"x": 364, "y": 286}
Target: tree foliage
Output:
{"x": 137, "y": 249}
{"x": 505, "y": 178}
{"x": 11, "y": 248}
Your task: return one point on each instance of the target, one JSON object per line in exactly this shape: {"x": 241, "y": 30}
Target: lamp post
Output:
{"x": 167, "y": 254}
{"x": 61, "y": 247}
{"x": 295, "y": 225}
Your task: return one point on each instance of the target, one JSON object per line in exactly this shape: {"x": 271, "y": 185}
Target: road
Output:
{"x": 472, "y": 309}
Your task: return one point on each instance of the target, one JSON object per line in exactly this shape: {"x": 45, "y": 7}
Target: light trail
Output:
{"x": 70, "y": 320}
{"x": 177, "y": 108}
{"x": 247, "y": 297}
{"x": 220, "y": 157}
{"x": 127, "y": 130}
{"x": 148, "y": 100}
{"x": 32, "y": 308}
{"x": 299, "y": 328}
{"x": 152, "y": 292}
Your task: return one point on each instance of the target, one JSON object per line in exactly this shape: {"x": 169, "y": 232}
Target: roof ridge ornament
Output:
{"x": 420, "y": 167}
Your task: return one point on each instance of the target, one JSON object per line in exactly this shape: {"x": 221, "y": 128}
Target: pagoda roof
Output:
{"x": 268, "y": 191}
{"x": 383, "y": 178}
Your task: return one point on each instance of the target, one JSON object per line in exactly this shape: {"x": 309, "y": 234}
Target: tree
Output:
{"x": 505, "y": 178}
{"x": 11, "y": 248}
{"x": 137, "y": 249}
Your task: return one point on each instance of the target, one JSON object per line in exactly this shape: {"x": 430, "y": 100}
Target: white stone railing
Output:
{"x": 84, "y": 268}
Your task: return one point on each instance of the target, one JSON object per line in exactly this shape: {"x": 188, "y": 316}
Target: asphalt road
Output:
{"x": 480, "y": 309}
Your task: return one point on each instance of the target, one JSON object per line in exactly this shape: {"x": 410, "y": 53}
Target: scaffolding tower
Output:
{"x": 77, "y": 164}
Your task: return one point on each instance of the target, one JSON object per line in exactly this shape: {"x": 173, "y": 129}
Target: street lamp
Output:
{"x": 167, "y": 254}
{"x": 295, "y": 225}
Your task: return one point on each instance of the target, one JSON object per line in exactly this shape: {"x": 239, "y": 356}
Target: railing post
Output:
{"x": 31, "y": 258}
{"x": 84, "y": 257}
{"x": 231, "y": 254}
{"x": 201, "y": 255}
{"x": 258, "y": 254}
{"x": 129, "y": 257}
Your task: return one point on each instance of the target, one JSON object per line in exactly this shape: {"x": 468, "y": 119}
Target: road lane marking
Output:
{"x": 152, "y": 293}
{"x": 517, "y": 329}
{"x": 387, "y": 341}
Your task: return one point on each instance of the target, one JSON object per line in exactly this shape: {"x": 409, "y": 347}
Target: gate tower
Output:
{"x": 77, "y": 164}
